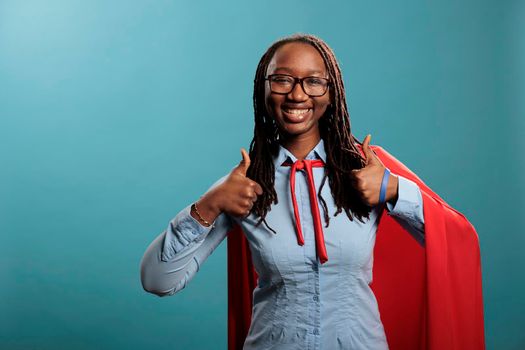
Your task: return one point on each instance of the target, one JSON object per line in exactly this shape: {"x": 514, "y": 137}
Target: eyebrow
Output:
{"x": 289, "y": 70}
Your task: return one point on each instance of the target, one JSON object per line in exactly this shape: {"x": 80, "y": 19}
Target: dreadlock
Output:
{"x": 334, "y": 126}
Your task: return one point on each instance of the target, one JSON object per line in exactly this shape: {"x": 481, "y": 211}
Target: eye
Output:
{"x": 282, "y": 79}
{"x": 313, "y": 81}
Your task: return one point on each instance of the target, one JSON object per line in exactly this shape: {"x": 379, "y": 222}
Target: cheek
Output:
{"x": 322, "y": 108}
{"x": 272, "y": 103}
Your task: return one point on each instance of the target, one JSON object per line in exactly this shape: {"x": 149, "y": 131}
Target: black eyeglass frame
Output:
{"x": 300, "y": 81}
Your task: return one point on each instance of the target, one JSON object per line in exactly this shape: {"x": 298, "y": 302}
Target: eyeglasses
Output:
{"x": 284, "y": 84}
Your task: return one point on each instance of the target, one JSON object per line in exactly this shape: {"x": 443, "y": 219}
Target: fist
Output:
{"x": 368, "y": 180}
{"x": 237, "y": 194}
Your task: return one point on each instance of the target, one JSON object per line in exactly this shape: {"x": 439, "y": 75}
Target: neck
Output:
{"x": 301, "y": 145}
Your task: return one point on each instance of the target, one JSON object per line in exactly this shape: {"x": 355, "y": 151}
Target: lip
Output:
{"x": 295, "y": 106}
{"x": 296, "y": 118}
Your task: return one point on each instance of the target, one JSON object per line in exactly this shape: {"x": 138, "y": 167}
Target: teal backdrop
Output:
{"x": 114, "y": 115}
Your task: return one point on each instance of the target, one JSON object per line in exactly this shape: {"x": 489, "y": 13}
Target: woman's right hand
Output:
{"x": 235, "y": 195}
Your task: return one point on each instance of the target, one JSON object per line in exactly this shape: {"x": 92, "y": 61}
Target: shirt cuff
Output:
{"x": 182, "y": 231}
{"x": 409, "y": 204}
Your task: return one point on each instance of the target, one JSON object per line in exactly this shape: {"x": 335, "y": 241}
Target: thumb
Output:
{"x": 244, "y": 163}
{"x": 369, "y": 154}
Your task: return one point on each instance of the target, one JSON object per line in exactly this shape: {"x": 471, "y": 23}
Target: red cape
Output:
{"x": 429, "y": 297}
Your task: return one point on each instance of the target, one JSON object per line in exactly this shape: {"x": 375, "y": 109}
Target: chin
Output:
{"x": 296, "y": 129}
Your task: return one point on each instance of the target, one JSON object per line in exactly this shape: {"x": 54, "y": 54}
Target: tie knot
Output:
{"x": 303, "y": 163}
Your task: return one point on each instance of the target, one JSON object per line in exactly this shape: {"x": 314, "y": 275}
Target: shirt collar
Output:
{"x": 318, "y": 152}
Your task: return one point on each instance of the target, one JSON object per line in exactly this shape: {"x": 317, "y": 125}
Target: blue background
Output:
{"x": 114, "y": 115}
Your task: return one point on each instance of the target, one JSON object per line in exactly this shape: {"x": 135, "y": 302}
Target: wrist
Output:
{"x": 195, "y": 213}
{"x": 209, "y": 204}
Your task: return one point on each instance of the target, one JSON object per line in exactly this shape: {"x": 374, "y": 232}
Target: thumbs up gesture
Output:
{"x": 237, "y": 193}
{"x": 368, "y": 180}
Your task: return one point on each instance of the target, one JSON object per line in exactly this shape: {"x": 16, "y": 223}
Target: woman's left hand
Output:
{"x": 368, "y": 180}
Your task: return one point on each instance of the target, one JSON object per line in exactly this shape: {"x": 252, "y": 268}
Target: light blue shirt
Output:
{"x": 298, "y": 303}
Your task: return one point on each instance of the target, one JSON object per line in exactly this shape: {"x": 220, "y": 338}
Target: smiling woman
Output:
{"x": 297, "y": 108}
{"x": 297, "y": 282}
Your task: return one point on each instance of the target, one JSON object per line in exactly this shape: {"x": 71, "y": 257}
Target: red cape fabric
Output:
{"x": 429, "y": 297}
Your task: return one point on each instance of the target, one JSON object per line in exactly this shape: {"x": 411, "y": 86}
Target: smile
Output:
{"x": 296, "y": 115}
{"x": 296, "y": 111}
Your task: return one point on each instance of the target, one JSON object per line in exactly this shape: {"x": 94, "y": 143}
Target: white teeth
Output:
{"x": 296, "y": 111}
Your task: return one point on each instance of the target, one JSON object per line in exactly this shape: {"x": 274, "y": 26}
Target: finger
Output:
{"x": 250, "y": 193}
{"x": 366, "y": 147}
{"x": 243, "y": 212}
{"x": 247, "y": 206}
{"x": 244, "y": 163}
{"x": 369, "y": 154}
{"x": 258, "y": 189}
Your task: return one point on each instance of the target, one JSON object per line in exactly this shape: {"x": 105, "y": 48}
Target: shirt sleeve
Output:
{"x": 182, "y": 232}
{"x": 175, "y": 256}
{"x": 408, "y": 209}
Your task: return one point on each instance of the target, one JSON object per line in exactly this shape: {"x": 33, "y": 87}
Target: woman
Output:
{"x": 314, "y": 274}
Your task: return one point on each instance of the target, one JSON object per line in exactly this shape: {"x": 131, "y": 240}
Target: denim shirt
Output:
{"x": 298, "y": 303}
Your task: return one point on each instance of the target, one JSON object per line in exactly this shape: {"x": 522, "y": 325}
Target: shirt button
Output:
{"x": 316, "y": 331}
{"x": 316, "y": 298}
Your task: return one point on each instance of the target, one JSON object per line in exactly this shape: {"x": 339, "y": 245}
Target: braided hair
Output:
{"x": 334, "y": 127}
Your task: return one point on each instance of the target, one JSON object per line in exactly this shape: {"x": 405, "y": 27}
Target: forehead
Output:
{"x": 297, "y": 58}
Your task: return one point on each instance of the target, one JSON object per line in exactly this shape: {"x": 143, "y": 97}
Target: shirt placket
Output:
{"x": 314, "y": 302}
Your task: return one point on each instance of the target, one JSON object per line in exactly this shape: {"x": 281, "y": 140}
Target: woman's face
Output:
{"x": 296, "y": 113}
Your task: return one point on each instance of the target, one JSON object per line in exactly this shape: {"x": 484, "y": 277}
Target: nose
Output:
{"x": 297, "y": 93}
